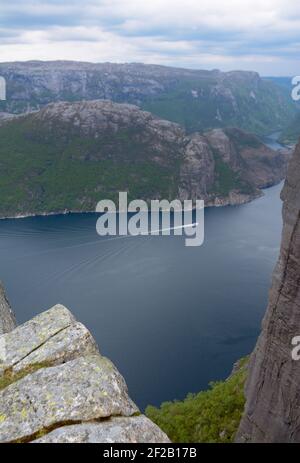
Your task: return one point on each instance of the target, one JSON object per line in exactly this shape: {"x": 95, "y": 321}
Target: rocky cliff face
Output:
{"x": 56, "y": 387}
{"x": 272, "y": 412}
{"x": 68, "y": 156}
{"x": 7, "y": 318}
{"x": 197, "y": 100}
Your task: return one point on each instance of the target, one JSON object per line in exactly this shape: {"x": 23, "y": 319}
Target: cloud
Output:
{"x": 251, "y": 34}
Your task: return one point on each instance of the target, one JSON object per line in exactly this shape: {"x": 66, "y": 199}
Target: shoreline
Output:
{"x": 232, "y": 201}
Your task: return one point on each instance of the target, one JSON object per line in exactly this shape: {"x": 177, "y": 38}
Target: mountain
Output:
{"x": 272, "y": 412}
{"x": 198, "y": 100}
{"x": 291, "y": 130}
{"x": 68, "y": 156}
{"x": 285, "y": 82}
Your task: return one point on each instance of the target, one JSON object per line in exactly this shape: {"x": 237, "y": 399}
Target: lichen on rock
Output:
{"x": 134, "y": 429}
{"x": 54, "y": 382}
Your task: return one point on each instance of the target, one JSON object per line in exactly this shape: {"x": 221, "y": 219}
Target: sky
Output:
{"x": 259, "y": 35}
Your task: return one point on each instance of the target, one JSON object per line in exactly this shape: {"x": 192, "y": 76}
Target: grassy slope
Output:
{"x": 53, "y": 170}
{"x": 209, "y": 416}
{"x": 47, "y": 166}
{"x": 228, "y": 180}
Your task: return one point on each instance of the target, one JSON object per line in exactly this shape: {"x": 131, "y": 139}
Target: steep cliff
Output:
{"x": 68, "y": 156}
{"x": 56, "y": 387}
{"x": 272, "y": 412}
{"x": 7, "y": 318}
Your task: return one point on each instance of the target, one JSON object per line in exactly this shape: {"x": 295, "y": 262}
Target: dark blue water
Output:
{"x": 172, "y": 318}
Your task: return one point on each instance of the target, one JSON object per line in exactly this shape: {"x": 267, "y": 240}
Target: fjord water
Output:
{"x": 172, "y": 318}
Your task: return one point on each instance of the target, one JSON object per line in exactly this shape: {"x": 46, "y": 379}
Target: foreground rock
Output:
{"x": 135, "y": 429}
{"x": 56, "y": 387}
{"x": 7, "y": 318}
{"x": 53, "y": 336}
{"x": 272, "y": 412}
{"x": 81, "y": 390}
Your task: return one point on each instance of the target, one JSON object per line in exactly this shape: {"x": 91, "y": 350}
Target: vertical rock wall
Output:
{"x": 7, "y": 318}
{"x": 272, "y": 412}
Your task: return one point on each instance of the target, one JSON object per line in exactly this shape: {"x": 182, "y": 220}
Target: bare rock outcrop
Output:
{"x": 272, "y": 412}
{"x": 56, "y": 387}
{"x": 133, "y": 429}
{"x": 7, "y": 318}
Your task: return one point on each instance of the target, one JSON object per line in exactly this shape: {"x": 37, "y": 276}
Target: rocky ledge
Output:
{"x": 56, "y": 387}
{"x": 272, "y": 412}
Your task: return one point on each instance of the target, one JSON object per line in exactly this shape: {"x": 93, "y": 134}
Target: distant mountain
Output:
{"x": 198, "y": 100}
{"x": 291, "y": 130}
{"x": 68, "y": 156}
{"x": 285, "y": 82}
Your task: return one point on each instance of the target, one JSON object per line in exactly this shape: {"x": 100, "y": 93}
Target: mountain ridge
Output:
{"x": 197, "y": 99}
{"x": 68, "y": 156}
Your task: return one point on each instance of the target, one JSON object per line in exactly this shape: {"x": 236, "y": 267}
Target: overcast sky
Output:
{"x": 261, "y": 35}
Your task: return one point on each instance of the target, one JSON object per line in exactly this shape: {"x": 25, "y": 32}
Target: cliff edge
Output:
{"x": 56, "y": 387}
{"x": 7, "y": 318}
{"x": 272, "y": 412}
